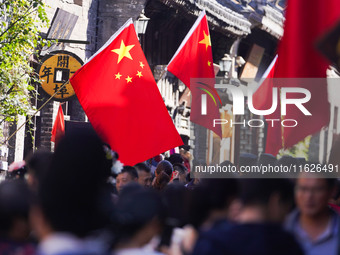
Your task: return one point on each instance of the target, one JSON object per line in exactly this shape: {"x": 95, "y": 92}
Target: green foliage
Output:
{"x": 298, "y": 150}
{"x": 20, "y": 39}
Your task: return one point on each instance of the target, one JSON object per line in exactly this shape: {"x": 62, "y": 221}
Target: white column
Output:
{"x": 20, "y": 139}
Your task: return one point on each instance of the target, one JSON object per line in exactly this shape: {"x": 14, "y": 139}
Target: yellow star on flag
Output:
{"x": 118, "y": 75}
{"x": 209, "y": 63}
{"x": 123, "y": 51}
{"x": 128, "y": 79}
{"x": 206, "y": 40}
{"x": 139, "y": 74}
{"x": 141, "y": 64}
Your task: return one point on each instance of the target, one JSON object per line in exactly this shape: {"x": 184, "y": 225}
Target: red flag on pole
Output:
{"x": 119, "y": 95}
{"x": 58, "y": 129}
{"x": 264, "y": 91}
{"x": 298, "y": 58}
{"x": 262, "y": 101}
{"x": 193, "y": 59}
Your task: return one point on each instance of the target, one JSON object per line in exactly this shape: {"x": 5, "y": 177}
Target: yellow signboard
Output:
{"x": 56, "y": 69}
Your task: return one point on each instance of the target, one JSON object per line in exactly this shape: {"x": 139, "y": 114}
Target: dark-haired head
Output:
{"x": 247, "y": 159}
{"x": 267, "y": 159}
{"x": 70, "y": 192}
{"x": 226, "y": 163}
{"x": 144, "y": 174}
{"x": 175, "y": 158}
{"x": 160, "y": 181}
{"x": 142, "y": 167}
{"x": 287, "y": 160}
{"x": 163, "y": 174}
{"x": 258, "y": 191}
{"x": 37, "y": 165}
{"x": 131, "y": 171}
{"x": 180, "y": 168}
{"x": 313, "y": 192}
{"x": 274, "y": 196}
{"x": 138, "y": 210}
{"x": 175, "y": 200}
{"x": 14, "y": 209}
{"x": 164, "y": 166}
{"x": 211, "y": 196}
{"x": 127, "y": 175}
{"x": 180, "y": 173}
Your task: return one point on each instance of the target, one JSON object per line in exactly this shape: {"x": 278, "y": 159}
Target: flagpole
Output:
{"x": 162, "y": 74}
{"x": 30, "y": 117}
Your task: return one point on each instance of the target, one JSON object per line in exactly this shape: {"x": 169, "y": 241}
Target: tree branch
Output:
{"x": 3, "y": 3}
{"x": 19, "y": 19}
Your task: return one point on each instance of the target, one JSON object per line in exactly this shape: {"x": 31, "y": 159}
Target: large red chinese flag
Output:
{"x": 306, "y": 22}
{"x": 119, "y": 95}
{"x": 193, "y": 59}
{"x": 58, "y": 129}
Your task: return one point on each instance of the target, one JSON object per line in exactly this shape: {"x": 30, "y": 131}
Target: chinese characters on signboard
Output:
{"x": 56, "y": 69}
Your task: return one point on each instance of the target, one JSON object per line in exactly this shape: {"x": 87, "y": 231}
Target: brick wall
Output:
{"x": 200, "y": 145}
{"x": 46, "y": 122}
{"x": 113, "y": 14}
{"x": 84, "y": 30}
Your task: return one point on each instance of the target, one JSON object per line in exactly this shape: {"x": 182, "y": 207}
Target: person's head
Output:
{"x": 161, "y": 181}
{"x": 144, "y": 174}
{"x": 138, "y": 216}
{"x": 164, "y": 166}
{"x": 336, "y": 197}
{"x": 185, "y": 154}
{"x": 247, "y": 159}
{"x": 211, "y": 199}
{"x": 163, "y": 174}
{"x": 153, "y": 162}
{"x": 312, "y": 194}
{"x": 180, "y": 173}
{"x": 175, "y": 158}
{"x": 37, "y": 165}
{"x": 71, "y": 192}
{"x": 287, "y": 160}
{"x": 175, "y": 200}
{"x": 14, "y": 209}
{"x": 17, "y": 170}
{"x": 267, "y": 159}
{"x": 226, "y": 163}
{"x": 274, "y": 197}
{"x": 127, "y": 175}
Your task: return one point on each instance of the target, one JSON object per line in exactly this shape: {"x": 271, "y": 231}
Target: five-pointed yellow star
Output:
{"x": 128, "y": 79}
{"x": 139, "y": 74}
{"x": 141, "y": 64}
{"x": 118, "y": 75}
{"x": 209, "y": 63}
{"x": 206, "y": 40}
{"x": 123, "y": 51}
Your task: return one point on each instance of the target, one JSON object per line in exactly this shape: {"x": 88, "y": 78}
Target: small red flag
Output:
{"x": 264, "y": 91}
{"x": 193, "y": 59}
{"x": 119, "y": 95}
{"x": 298, "y": 58}
{"x": 262, "y": 100}
{"x": 58, "y": 130}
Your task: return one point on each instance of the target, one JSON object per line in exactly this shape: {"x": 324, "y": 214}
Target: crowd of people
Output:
{"x": 77, "y": 200}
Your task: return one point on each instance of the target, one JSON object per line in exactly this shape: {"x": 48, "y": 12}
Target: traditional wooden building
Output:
{"x": 241, "y": 29}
